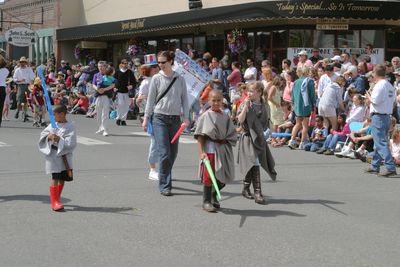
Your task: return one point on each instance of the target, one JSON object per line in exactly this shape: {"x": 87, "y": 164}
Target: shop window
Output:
{"x": 199, "y": 44}
{"x": 374, "y": 37}
{"x": 279, "y": 38}
{"x": 174, "y": 44}
{"x": 187, "y": 43}
{"x": 348, "y": 39}
{"x": 249, "y": 53}
{"x": 300, "y": 38}
{"x": 262, "y": 43}
{"x": 324, "y": 39}
{"x": 152, "y": 46}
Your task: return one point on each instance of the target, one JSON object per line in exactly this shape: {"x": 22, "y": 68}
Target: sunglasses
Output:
{"x": 162, "y": 62}
{"x": 124, "y": 62}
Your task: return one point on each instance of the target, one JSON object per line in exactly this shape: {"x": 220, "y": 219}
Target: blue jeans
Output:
{"x": 313, "y": 146}
{"x": 332, "y": 139}
{"x": 152, "y": 151}
{"x": 379, "y": 129}
{"x": 165, "y": 127}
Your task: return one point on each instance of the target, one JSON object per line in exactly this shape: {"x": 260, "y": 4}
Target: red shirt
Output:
{"x": 83, "y": 103}
{"x": 38, "y": 93}
{"x": 234, "y": 78}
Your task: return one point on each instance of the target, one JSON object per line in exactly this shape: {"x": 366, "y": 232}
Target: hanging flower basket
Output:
{"x": 137, "y": 46}
{"x": 237, "y": 42}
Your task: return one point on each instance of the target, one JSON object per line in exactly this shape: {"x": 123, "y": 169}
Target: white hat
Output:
{"x": 150, "y": 59}
{"x": 336, "y": 58}
{"x": 302, "y": 52}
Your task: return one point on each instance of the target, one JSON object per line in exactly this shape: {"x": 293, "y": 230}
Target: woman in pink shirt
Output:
{"x": 235, "y": 77}
{"x": 290, "y": 77}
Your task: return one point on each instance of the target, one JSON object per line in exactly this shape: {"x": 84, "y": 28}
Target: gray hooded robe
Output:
{"x": 65, "y": 146}
{"x": 218, "y": 126}
{"x": 252, "y": 144}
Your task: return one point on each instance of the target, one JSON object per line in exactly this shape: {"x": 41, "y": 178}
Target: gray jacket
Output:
{"x": 174, "y": 102}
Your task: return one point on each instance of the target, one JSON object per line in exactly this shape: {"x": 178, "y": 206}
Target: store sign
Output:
{"x": 195, "y": 76}
{"x": 20, "y": 36}
{"x": 132, "y": 25}
{"x": 328, "y": 53}
{"x": 333, "y": 7}
{"x": 332, "y": 27}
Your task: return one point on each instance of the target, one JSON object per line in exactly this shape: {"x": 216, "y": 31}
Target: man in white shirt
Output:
{"x": 250, "y": 75}
{"x": 382, "y": 100}
{"x": 346, "y": 62}
{"x": 368, "y": 50}
{"x": 23, "y": 77}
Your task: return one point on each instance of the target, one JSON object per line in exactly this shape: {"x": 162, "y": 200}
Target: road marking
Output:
{"x": 4, "y": 144}
{"x": 182, "y": 139}
{"x": 90, "y": 142}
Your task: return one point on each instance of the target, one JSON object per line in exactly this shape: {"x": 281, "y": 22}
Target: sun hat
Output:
{"x": 137, "y": 62}
{"x": 303, "y": 53}
{"x": 23, "y": 59}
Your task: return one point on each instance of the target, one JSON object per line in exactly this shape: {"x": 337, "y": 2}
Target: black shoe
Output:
{"x": 118, "y": 122}
{"x": 26, "y": 118}
{"x": 166, "y": 193}
{"x": 16, "y": 115}
{"x": 123, "y": 123}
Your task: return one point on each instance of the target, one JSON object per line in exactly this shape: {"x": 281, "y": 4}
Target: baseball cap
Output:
{"x": 336, "y": 58}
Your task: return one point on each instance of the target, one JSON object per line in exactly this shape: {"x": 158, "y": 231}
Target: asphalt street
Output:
{"x": 322, "y": 211}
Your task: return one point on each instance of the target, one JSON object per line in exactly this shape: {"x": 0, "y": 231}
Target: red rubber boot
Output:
{"x": 54, "y": 199}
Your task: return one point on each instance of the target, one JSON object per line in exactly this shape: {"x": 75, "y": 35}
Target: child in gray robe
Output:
{"x": 215, "y": 134}
{"x": 58, "y": 145}
{"x": 253, "y": 150}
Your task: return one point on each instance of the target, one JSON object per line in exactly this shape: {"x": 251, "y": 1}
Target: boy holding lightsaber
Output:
{"x": 216, "y": 135}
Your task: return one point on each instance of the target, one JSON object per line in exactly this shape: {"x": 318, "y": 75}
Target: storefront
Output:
{"x": 266, "y": 29}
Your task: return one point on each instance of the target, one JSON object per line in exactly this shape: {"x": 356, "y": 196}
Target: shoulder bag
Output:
{"x": 150, "y": 121}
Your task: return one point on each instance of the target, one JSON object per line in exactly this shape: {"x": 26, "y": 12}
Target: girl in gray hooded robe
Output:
{"x": 253, "y": 150}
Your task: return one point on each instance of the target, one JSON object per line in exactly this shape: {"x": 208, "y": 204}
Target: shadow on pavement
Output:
{"x": 322, "y": 202}
{"x": 122, "y": 210}
{"x": 244, "y": 214}
{"x": 41, "y": 198}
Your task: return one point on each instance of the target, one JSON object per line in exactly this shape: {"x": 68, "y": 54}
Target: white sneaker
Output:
{"x": 153, "y": 175}
{"x": 292, "y": 144}
{"x": 301, "y": 146}
{"x": 99, "y": 131}
{"x": 105, "y": 133}
{"x": 352, "y": 155}
{"x": 348, "y": 153}
{"x": 345, "y": 151}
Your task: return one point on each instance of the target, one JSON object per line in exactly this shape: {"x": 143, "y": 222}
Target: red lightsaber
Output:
{"x": 178, "y": 133}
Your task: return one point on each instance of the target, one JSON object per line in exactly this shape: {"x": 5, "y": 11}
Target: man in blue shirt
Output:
{"x": 354, "y": 79}
{"x": 216, "y": 74}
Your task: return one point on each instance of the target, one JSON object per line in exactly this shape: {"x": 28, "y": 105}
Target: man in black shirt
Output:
{"x": 125, "y": 81}
{"x": 315, "y": 56}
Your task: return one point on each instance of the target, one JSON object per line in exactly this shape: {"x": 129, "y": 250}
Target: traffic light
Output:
{"x": 195, "y": 4}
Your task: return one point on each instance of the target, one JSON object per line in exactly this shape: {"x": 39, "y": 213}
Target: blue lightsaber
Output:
{"x": 48, "y": 101}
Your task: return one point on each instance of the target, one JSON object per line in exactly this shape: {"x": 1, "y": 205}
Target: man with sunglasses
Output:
{"x": 250, "y": 74}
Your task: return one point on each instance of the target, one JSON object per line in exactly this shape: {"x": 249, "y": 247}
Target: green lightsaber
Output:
{"x": 212, "y": 176}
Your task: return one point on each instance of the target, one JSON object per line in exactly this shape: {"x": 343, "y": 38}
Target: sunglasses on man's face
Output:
{"x": 162, "y": 62}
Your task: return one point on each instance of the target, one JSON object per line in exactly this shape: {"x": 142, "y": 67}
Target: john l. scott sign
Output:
{"x": 21, "y": 36}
